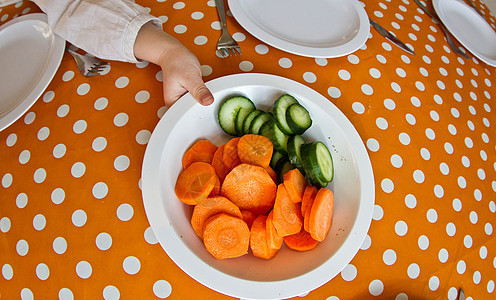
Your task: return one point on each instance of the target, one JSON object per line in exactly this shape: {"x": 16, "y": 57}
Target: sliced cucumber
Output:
{"x": 276, "y": 156}
{"x": 282, "y": 167}
{"x": 317, "y": 162}
{"x": 249, "y": 118}
{"x": 259, "y": 120}
{"x": 232, "y": 113}
{"x": 298, "y": 118}
{"x": 294, "y": 145}
{"x": 280, "y": 107}
{"x": 276, "y": 136}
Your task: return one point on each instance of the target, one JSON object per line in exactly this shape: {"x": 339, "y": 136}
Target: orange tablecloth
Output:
{"x": 72, "y": 222}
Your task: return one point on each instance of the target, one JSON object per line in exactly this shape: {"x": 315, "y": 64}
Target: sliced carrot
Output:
{"x": 250, "y": 187}
{"x": 287, "y": 214}
{"x": 258, "y": 239}
{"x": 216, "y": 190}
{"x": 320, "y": 220}
{"x": 248, "y": 216}
{"x": 274, "y": 241}
{"x": 209, "y": 207}
{"x": 230, "y": 156}
{"x": 295, "y": 184}
{"x": 272, "y": 174}
{"x": 226, "y": 236}
{"x": 306, "y": 217}
{"x": 202, "y": 150}
{"x": 255, "y": 149}
{"x": 301, "y": 241}
{"x": 309, "y": 193}
{"x": 218, "y": 163}
{"x": 195, "y": 183}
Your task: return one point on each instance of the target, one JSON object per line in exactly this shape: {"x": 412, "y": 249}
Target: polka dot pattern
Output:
{"x": 70, "y": 171}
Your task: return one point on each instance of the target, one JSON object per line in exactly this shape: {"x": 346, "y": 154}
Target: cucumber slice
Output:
{"x": 232, "y": 113}
{"x": 259, "y": 120}
{"x": 298, "y": 118}
{"x": 276, "y": 136}
{"x": 294, "y": 154}
{"x": 276, "y": 156}
{"x": 249, "y": 119}
{"x": 282, "y": 167}
{"x": 280, "y": 107}
{"x": 317, "y": 162}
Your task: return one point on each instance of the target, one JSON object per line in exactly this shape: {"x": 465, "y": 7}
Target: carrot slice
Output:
{"x": 248, "y": 216}
{"x": 320, "y": 220}
{"x": 226, "y": 236}
{"x": 255, "y": 149}
{"x": 287, "y": 214}
{"x": 216, "y": 190}
{"x": 195, "y": 183}
{"x": 209, "y": 207}
{"x": 202, "y": 150}
{"x": 272, "y": 174}
{"x": 250, "y": 187}
{"x": 258, "y": 239}
{"x": 306, "y": 217}
{"x": 301, "y": 241}
{"x": 309, "y": 193}
{"x": 295, "y": 184}
{"x": 230, "y": 156}
{"x": 274, "y": 241}
{"x": 218, "y": 163}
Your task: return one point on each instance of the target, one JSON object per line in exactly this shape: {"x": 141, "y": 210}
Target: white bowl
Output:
{"x": 290, "y": 273}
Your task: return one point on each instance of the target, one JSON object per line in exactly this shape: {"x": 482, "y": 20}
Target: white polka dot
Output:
{"x": 179, "y": 5}
{"x": 22, "y": 247}
{"x": 490, "y": 286}
{"x": 125, "y": 212}
{"x": 396, "y": 161}
{"x": 418, "y": 176}
{"x": 80, "y": 126}
{"x": 99, "y": 144}
{"x": 197, "y": 15}
{"x": 387, "y": 185}
{"x": 83, "y": 89}
{"x": 378, "y": 213}
{"x": 39, "y": 175}
{"x": 439, "y": 191}
{"x": 238, "y": 36}
{"x": 39, "y": 222}
{"x": 309, "y": 77}
{"x": 101, "y": 103}
{"x": 131, "y": 265}
{"x": 461, "y": 267}
{"x": 483, "y": 252}
{"x": 367, "y": 89}
{"x": 110, "y": 292}
{"x": 200, "y": 40}
{"x": 103, "y": 241}
{"x": 42, "y": 271}
{"x": 376, "y": 287}
{"x": 58, "y": 196}
{"x": 334, "y": 92}
{"x": 358, "y": 107}
{"x": 434, "y": 283}
{"x": 349, "y": 273}
{"x": 79, "y": 218}
{"x": 381, "y": 123}
{"x": 246, "y": 66}
{"x": 431, "y": 135}
{"x": 206, "y": 70}
{"x": 321, "y": 61}
{"x": 68, "y": 76}
{"x": 78, "y": 170}
{"x": 443, "y": 255}
{"x": 180, "y": 29}
{"x": 26, "y": 294}
{"x": 285, "y": 63}
{"x": 24, "y": 157}
{"x": 143, "y": 136}
{"x": 142, "y": 96}
{"x": 7, "y": 180}
{"x": 410, "y": 201}
{"x": 473, "y": 217}
{"x": 43, "y": 133}
{"x": 404, "y": 138}
{"x": 410, "y": 119}
{"x": 59, "y": 151}
{"x": 457, "y": 204}
{"x": 426, "y": 155}
{"x": 373, "y": 145}
{"x": 59, "y": 245}
{"x": 488, "y": 229}
{"x": 413, "y": 271}
{"x": 389, "y": 257}
{"x": 83, "y": 269}
{"x": 48, "y": 96}
{"x": 344, "y": 75}
{"x": 367, "y": 242}
{"x": 401, "y": 228}
{"x": 22, "y": 200}
{"x": 423, "y": 242}
{"x": 29, "y": 118}
{"x": 7, "y": 272}
{"x": 352, "y": 58}
{"x": 375, "y": 73}
{"x": 5, "y": 224}
{"x": 66, "y": 294}
{"x": 121, "y": 163}
{"x": 162, "y": 289}
{"x": 121, "y": 119}
{"x": 261, "y": 49}
{"x": 150, "y": 237}
{"x": 451, "y": 229}
{"x": 389, "y": 104}
{"x": 467, "y": 241}
{"x": 100, "y": 190}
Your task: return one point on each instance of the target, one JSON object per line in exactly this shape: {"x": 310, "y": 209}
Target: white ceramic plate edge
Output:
{"x": 51, "y": 66}
{"x": 235, "y": 6}
{"x": 460, "y": 36}
{"x": 209, "y": 276}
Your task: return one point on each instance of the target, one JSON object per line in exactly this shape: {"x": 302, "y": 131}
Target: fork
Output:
{"x": 88, "y": 65}
{"x": 450, "y": 41}
{"x": 226, "y": 44}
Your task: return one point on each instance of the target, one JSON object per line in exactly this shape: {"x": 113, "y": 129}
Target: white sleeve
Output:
{"x": 104, "y": 28}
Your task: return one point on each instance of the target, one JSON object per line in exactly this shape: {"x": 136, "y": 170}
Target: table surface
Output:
{"x": 72, "y": 221}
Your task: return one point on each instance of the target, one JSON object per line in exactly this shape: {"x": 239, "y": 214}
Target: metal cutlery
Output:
{"x": 388, "y": 35}
{"x": 461, "y": 294}
{"x": 226, "y": 44}
{"x": 88, "y": 65}
{"x": 450, "y": 41}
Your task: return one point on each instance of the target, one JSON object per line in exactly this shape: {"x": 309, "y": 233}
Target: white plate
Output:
{"x": 8, "y": 2}
{"x": 470, "y": 28}
{"x": 290, "y": 273}
{"x": 30, "y": 54}
{"x": 314, "y": 28}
